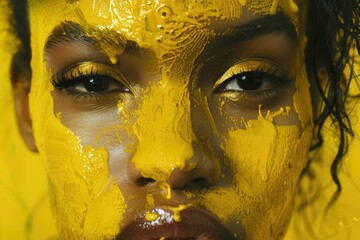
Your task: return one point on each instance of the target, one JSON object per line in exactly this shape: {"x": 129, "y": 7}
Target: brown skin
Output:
{"x": 21, "y": 90}
{"x": 81, "y": 114}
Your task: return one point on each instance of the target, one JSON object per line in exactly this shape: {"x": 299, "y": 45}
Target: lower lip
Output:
{"x": 195, "y": 224}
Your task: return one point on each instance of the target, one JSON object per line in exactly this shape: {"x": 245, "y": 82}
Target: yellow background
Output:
{"x": 24, "y": 204}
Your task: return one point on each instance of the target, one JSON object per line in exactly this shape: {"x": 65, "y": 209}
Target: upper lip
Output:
{"x": 195, "y": 224}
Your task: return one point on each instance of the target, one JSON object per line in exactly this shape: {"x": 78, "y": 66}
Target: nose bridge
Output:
{"x": 164, "y": 131}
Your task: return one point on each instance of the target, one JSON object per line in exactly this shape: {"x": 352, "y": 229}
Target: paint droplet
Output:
{"x": 113, "y": 60}
{"x": 264, "y": 178}
{"x": 289, "y": 165}
{"x": 274, "y": 6}
{"x": 293, "y": 6}
{"x": 166, "y": 190}
{"x": 165, "y": 12}
{"x": 150, "y": 217}
{"x": 177, "y": 216}
{"x": 177, "y": 211}
{"x": 159, "y": 39}
{"x": 243, "y": 2}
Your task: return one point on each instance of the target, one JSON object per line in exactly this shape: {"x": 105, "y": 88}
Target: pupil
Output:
{"x": 96, "y": 85}
{"x": 250, "y": 81}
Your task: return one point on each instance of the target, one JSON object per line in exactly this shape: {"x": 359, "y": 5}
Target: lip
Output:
{"x": 195, "y": 224}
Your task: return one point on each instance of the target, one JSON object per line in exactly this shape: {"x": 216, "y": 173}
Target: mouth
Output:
{"x": 195, "y": 224}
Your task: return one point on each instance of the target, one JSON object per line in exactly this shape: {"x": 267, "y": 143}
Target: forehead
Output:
{"x": 160, "y": 25}
{"x": 144, "y": 21}
{"x": 177, "y": 28}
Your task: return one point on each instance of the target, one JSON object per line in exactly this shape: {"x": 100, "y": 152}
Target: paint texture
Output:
{"x": 83, "y": 192}
{"x": 86, "y": 198}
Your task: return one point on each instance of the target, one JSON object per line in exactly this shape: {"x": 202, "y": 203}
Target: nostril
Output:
{"x": 142, "y": 181}
{"x": 200, "y": 182}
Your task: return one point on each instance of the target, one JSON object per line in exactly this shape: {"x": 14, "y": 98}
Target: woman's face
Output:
{"x": 170, "y": 119}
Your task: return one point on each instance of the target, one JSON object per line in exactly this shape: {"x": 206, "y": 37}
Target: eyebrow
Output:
{"x": 278, "y": 23}
{"x": 69, "y": 31}
{"x": 73, "y": 32}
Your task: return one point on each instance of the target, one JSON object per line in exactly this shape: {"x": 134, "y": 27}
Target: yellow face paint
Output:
{"x": 87, "y": 199}
{"x": 271, "y": 153}
{"x": 83, "y": 194}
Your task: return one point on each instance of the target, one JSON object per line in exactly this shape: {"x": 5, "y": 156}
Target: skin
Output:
{"x": 172, "y": 129}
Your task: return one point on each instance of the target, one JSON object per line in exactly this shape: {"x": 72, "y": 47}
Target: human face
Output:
{"x": 169, "y": 119}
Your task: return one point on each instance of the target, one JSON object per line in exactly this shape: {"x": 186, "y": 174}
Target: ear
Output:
{"x": 21, "y": 77}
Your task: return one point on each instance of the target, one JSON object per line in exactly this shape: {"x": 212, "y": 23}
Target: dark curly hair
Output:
{"x": 19, "y": 22}
{"x": 332, "y": 29}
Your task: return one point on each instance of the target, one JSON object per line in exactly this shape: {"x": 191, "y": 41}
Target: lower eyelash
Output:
{"x": 97, "y": 100}
{"x": 242, "y": 96}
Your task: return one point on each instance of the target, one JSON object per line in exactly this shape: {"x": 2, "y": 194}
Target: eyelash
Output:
{"x": 82, "y": 72}
{"x": 255, "y": 67}
{"x": 68, "y": 78}
{"x": 85, "y": 71}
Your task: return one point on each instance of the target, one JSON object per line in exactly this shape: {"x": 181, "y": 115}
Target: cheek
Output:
{"x": 265, "y": 161}
{"x": 261, "y": 150}
{"x": 264, "y": 158}
{"x": 84, "y": 197}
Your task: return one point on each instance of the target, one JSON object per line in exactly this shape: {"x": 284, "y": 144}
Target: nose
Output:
{"x": 200, "y": 172}
{"x": 203, "y": 175}
{"x": 166, "y": 150}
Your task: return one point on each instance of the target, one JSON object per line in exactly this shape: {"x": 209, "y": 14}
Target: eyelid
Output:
{"x": 251, "y": 65}
{"x": 89, "y": 69}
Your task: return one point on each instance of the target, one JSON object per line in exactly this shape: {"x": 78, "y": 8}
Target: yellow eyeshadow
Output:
{"x": 88, "y": 69}
{"x": 250, "y": 65}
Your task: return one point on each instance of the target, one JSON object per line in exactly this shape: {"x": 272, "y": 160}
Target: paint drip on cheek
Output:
{"x": 83, "y": 195}
{"x": 266, "y": 161}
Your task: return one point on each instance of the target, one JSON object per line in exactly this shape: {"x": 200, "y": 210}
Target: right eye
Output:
{"x": 90, "y": 78}
{"x": 250, "y": 81}
{"x": 94, "y": 84}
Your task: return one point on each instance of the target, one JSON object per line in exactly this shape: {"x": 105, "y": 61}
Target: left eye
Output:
{"x": 250, "y": 81}
{"x": 96, "y": 84}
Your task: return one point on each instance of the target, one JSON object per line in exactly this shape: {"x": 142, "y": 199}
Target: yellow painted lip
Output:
{"x": 195, "y": 222}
